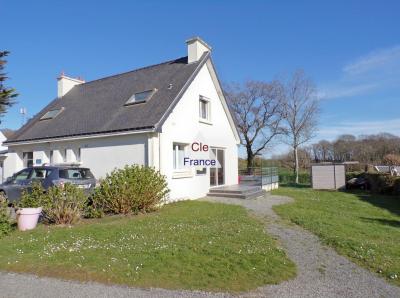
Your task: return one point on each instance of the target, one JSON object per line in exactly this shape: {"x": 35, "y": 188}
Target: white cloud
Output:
{"x": 347, "y": 90}
{"x": 366, "y": 74}
{"x": 375, "y": 61}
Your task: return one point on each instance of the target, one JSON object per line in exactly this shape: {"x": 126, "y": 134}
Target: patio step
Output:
{"x": 250, "y": 193}
{"x": 243, "y": 190}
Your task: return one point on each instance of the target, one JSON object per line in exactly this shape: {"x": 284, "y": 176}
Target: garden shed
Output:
{"x": 328, "y": 176}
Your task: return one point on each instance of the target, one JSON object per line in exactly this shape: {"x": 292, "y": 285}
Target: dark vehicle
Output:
{"x": 48, "y": 176}
{"x": 357, "y": 183}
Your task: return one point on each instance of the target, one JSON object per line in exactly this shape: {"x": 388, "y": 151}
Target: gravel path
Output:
{"x": 321, "y": 271}
{"x": 24, "y": 285}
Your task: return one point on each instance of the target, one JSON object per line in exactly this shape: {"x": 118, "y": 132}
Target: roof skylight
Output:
{"x": 51, "y": 114}
{"x": 141, "y": 97}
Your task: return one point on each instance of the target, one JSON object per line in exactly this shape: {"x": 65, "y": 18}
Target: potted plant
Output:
{"x": 29, "y": 207}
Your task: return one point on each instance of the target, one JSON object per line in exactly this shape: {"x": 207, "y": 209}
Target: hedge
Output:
{"x": 289, "y": 178}
{"x": 378, "y": 182}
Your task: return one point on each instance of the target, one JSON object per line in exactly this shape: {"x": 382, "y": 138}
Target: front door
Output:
{"x": 217, "y": 173}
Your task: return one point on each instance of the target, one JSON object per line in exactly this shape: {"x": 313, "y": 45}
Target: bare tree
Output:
{"x": 301, "y": 107}
{"x": 322, "y": 151}
{"x": 257, "y": 108}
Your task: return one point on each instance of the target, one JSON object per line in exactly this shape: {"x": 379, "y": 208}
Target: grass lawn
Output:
{"x": 364, "y": 227}
{"x": 186, "y": 245}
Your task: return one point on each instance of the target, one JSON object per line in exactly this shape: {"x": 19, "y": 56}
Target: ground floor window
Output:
{"x": 217, "y": 173}
{"x": 28, "y": 159}
{"x": 178, "y": 155}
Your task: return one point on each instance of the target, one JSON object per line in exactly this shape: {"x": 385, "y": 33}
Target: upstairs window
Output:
{"x": 51, "y": 114}
{"x": 141, "y": 97}
{"x": 204, "y": 109}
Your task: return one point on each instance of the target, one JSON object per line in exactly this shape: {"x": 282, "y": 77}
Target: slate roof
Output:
{"x": 7, "y": 132}
{"x": 97, "y": 107}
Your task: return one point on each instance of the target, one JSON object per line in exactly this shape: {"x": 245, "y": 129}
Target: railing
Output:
{"x": 259, "y": 176}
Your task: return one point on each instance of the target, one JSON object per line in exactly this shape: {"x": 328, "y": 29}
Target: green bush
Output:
{"x": 5, "y": 220}
{"x": 61, "y": 204}
{"x": 351, "y": 175}
{"x": 383, "y": 183}
{"x": 65, "y": 204}
{"x": 289, "y": 178}
{"x": 92, "y": 212}
{"x": 132, "y": 189}
{"x": 34, "y": 198}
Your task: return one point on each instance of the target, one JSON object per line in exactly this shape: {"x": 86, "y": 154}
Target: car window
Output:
{"x": 40, "y": 173}
{"x": 75, "y": 174}
{"x": 23, "y": 175}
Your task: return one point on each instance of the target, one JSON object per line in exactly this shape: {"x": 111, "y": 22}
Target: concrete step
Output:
{"x": 239, "y": 191}
{"x": 248, "y": 195}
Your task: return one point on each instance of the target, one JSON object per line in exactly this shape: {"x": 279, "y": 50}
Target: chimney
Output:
{"x": 64, "y": 84}
{"x": 196, "y": 48}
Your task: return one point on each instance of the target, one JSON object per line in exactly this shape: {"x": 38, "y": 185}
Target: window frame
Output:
{"x": 175, "y": 158}
{"x": 132, "y": 100}
{"x": 181, "y": 172}
{"x": 47, "y": 117}
{"x": 26, "y": 160}
{"x": 207, "y": 102}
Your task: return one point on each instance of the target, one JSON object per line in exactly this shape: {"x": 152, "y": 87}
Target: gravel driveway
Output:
{"x": 321, "y": 271}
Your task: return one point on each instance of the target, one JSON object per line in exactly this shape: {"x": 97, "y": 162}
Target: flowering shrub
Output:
{"x": 65, "y": 204}
{"x": 132, "y": 189}
{"x": 61, "y": 204}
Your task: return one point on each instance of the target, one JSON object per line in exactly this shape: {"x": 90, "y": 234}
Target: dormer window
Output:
{"x": 52, "y": 114}
{"x": 141, "y": 97}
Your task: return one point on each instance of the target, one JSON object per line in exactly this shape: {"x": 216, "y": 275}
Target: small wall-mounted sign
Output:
{"x": 38, "y": 161}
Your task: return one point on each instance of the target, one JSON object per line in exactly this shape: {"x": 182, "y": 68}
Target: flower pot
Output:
{"x": 28, "y": 218}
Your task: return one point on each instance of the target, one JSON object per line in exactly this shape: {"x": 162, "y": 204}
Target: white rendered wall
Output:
{"x": 195, "y": 50}
{"x": 105, "y": 154}
{"x": 2, "y": 139}
{"x": 12, "y": 164}
{"x": 65, "y": 84}
{"x": 183, "y": 126}
{"x": 101, "y": 155}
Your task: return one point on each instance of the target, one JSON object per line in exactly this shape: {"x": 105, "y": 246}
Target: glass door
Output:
{"x": 217, "y": 173}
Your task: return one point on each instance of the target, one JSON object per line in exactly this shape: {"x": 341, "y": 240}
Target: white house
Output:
{"x": 155, "y": 116}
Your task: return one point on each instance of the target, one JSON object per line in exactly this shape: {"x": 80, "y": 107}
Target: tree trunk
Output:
{"x": 296, "y": 164}
{"x": 250, "y": 160}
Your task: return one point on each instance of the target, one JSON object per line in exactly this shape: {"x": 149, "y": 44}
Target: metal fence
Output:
{"x": 259, "y": 176}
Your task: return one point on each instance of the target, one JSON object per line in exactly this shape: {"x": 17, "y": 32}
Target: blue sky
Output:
{"x": 351, "y": 49}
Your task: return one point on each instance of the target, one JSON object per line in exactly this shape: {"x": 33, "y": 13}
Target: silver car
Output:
{"x": 48, "y": 176}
